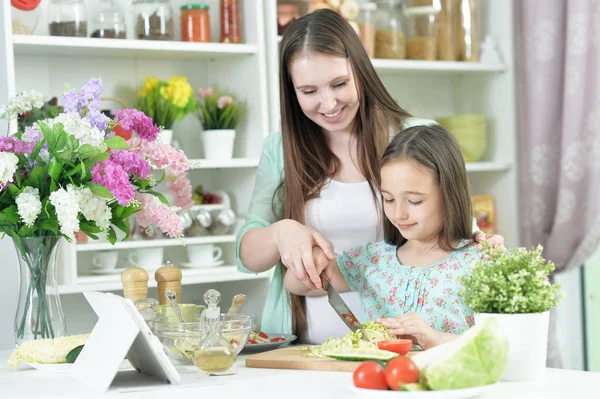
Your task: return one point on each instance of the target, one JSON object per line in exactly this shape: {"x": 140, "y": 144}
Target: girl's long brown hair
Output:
{"x": 308, "y": 161}
{"x": 436, "y": 149}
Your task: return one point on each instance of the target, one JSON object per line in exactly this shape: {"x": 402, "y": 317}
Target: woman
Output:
{"x": 336, "y": 117}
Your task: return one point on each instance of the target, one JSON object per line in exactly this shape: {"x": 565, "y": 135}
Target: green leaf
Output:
{"x": 122, "y": 225}
{"x": 36, "y": 151}
{"x": 116, "y": 143}
{"x": 25, "y": 231}
{"x": 99, "y": 190}
{"x": 73, "y": 171}
{"x": 37, "y": 178}
{"x": 89, "y": 227}
{"x": 12, "y": 214}
{"x": 87, "y": 151}
{"x": 14, "y": 190}
{"x": 112, "y": 236}
{"x": 161, "y": 197}
{"x": 54, "y": 169}
{"x": 50, "y": 225}
{"x": 74, "y": 353}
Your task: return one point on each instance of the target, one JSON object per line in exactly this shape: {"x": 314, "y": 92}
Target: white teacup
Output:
{"x": 147, "y": 258}
{"x": 203, "y": 255}
{"x": 105, "y": 260}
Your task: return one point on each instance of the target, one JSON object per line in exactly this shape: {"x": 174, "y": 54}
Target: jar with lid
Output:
{"x": 421, "y": 30}
{"x": 25, "y": 15}
{"x": 153, "y": 19}
{"x": 366, "y": 25}
{"x": 67, "y": 18}
{"x": 109, "y": 22}
{"x": 195, "y": 23}
{"x": 230, "y": 21}
{"x": 223, "y": 222}
{"x": 390, "y": 40}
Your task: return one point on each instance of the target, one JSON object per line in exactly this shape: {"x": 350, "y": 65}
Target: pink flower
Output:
{"x": 112, "y": 176}
{"x": 224, "y": 101}
{"x": 181, "y": 188}
{"x": 154, "y": 211}
{"x": 203, "y": 93}
{"x": 16, "y": 146}
{"x": 132, "y": 119}
{"x": 131, "y": 163}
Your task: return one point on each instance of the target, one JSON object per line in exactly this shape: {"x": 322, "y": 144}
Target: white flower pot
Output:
{"x": 218, "y": 144}
{"x": 165, "y": 136}
{"x": 527, "y": 335}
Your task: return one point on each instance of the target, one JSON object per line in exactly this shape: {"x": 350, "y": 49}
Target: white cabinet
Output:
{"x": 45, "y": 63}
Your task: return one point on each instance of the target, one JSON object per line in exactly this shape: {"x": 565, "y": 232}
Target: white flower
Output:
{"x": 80, "y": 128}
{"x": 29, "y": 205}
{"x": 94, "y": 208}
{"x": 8, "y": 167}
{"x": 22, "y": 102}
{"x": 66, "y": 203}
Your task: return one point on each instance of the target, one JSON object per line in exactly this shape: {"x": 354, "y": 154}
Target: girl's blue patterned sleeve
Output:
{"x": 353, "y": 264}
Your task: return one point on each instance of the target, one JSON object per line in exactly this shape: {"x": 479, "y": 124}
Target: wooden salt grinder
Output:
{"x": 135, "y": 283}
{"x": 168, "y": 277}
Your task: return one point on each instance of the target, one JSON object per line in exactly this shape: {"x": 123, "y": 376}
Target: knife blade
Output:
{"x": 343, "y": 310}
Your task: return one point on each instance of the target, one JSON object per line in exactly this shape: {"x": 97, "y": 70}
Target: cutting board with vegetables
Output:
{"x": 294, "y": 358}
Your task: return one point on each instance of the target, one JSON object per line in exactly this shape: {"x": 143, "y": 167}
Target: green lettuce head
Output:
{"x": 476, "y": 358}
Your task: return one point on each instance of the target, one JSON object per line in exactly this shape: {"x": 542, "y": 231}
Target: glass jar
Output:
{"x": 67, "y": 18}
{"x": 366, "y": 25}
{"x": 195, "y": 23}
{"x": 153, "y": 19}
{"x": 230, "y": 21}
{"x": 390, "y": 41}
{"x": 25, "y": 15}
{"x": 109, "y": 22}
{"x": 421, "y": 33}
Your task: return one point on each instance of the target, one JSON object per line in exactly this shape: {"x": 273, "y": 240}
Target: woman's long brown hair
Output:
{"x": 308, "y": 161}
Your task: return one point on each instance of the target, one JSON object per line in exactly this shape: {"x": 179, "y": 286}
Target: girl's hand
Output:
{"x": 295, "y": 244}
{"x": 412, "y": 326}
{"x": 495, "y": 240}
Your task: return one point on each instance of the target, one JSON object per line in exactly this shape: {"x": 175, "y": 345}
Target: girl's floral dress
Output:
{"x": 388, "y": 288}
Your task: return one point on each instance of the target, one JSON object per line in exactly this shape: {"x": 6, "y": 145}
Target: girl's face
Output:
{"x": 412, "y": 200}
{"x": 326, "y": 90}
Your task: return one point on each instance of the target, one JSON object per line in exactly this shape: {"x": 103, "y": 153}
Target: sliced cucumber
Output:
{"x": 360, "y": 354}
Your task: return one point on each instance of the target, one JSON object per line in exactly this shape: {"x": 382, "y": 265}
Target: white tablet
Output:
{"x": 120, "y": 332}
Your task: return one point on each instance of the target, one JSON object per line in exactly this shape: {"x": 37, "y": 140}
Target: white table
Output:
{"x": 265, "y": 384}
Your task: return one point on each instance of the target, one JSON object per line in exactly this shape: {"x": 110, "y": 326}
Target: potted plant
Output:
{"x": 514, "y": 288}
{"x": 166, "y": 102}
{"x": 219, "y": 114}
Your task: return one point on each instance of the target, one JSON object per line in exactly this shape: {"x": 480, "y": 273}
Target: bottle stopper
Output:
{"x": 168, "y": 277}
{"x": 135, "y": 283}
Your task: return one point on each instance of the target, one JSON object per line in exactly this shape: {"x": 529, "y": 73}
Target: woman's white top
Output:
{"x": 346, "y": 214}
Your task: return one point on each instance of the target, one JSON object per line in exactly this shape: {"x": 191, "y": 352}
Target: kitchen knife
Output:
{"x": 342, "y": 309}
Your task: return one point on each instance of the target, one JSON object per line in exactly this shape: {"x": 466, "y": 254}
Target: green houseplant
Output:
{"x": 514, "y": 287}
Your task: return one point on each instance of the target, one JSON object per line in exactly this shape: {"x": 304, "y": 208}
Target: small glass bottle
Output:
{"x": 153, "y": 19}
{"x": 215, "y": 354}
{"x": 109, "y": 22}
{"x": 230, "y": 21}
{"x": 195, "y": 23}
{"x": 67, "y": 18}
{"x": 366, "y": 25}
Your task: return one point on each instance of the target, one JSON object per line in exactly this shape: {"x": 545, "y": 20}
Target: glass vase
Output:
{"x": 39, "y": 311}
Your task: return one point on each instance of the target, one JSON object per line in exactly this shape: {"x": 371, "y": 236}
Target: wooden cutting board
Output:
{"x": 293, "y": 358}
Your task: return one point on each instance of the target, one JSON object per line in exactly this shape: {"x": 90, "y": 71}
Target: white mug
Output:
{"x": 105, "y": 260}
{"x": 147, "y": 258}
{"x": 204, "y": 255}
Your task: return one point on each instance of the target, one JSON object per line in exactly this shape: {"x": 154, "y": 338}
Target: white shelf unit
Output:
{"x": 46, "y": 63}
{"x": 431, "y": 89}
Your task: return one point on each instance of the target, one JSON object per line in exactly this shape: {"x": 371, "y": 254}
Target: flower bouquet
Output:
{"x": 69, "y": 174}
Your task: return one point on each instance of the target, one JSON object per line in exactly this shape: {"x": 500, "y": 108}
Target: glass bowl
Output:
{"x": 179, "y": 340}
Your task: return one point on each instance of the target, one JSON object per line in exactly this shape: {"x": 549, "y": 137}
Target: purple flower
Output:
{"x": 71, "y": 101}
{"x": 90, "y": 94}
{"x": 112, "y": 176}
{"x": 32, "y": 135}
{"x": 132, "y": 119}
{"x": 98, "y": 120}
{"x": 132, "y": 163}
{"x": 14, "y": 145}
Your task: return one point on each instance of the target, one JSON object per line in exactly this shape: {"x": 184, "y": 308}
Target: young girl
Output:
{"x": 415, "y": 272}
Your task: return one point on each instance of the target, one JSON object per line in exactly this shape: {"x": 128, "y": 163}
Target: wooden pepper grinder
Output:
{"x": 168, "y": 277}
{"x": 135, "y": 283}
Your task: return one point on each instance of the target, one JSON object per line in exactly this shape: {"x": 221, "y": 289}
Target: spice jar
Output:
{"x": 25, "y": 14}
{"x": 67, "y": 18}
{"x": 153, "y": 19}
{"x": 195, "y": 23}
{"x": 421, "y": 33}
{"x": 230, "y": 21}
{"x": 223, "y": 222}
{"x": 366, "y": 25}
{"x": 109, "y": 22}
{"x": 389, "y": 34}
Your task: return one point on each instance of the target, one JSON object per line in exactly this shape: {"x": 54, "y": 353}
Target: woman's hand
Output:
{"x": 412, "y": 326}
{"x": 495, "y": 240}
{"x": 295, "y": 244}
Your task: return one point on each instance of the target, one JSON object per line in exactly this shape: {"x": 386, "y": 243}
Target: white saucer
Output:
{"x": 103, "y": 272}
{"x": 189, "y": 265}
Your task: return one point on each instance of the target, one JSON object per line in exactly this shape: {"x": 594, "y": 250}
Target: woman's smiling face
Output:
{"x": 326, "y": 90}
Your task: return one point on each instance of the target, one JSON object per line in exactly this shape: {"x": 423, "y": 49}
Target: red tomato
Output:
{"x": 263, "y": 335}
{"x": 279, "y": 339}
{"x": 370, "y": 375}
{"x": 399, "y": 371}
{"x": 399, "y": 346}
{"x": 252, "y": 341}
